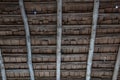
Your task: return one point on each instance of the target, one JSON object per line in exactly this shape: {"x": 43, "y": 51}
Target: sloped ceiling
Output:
{"x": 76, "y": 32}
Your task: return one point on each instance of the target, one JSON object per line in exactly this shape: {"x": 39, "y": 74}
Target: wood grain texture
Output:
{"x": 76, "y": 30}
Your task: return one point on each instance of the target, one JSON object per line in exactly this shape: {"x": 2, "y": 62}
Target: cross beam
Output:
{"x": 28, "y": 41}
{"x": 92, "y": 40}
{"x": 117, "y": 65}
{"x": 59, "y": 37}
{"x": 2, "y": 67}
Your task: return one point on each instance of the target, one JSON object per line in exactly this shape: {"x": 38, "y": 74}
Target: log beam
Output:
{"x": 92, "y": 40}
{"x": 117, "y": 65}
{"x": 59, "y": 37}
{"x": 2, "y": 67}
{"x": 28, "y": 41}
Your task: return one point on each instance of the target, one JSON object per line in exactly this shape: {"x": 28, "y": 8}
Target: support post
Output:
{"x": 59, "y": 37}
{"x": 92, "y": 40}
{"x": 2, "y": 67}
{"x": 117, "y": 65}
{"x": 28, "y": 41}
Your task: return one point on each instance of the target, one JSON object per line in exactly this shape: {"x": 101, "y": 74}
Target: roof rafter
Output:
{"x": 59, "y": 37}
{"x": 2, "y": 67}
{"x": 92, "y": 40}
{"x": 117, "y": 65}
{"x": 28, "y": 41}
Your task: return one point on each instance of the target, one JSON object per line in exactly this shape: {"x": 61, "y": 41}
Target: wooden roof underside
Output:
{"x": 65, "y": 40}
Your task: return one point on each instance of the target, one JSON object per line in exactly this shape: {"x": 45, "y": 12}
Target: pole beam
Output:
{"x": 117, "y": 65}
{"x": 59, "y": 37}
{"x": 2, "y": 67}
{"x": 28, "y": 41}
{"x": 92, "y": 40}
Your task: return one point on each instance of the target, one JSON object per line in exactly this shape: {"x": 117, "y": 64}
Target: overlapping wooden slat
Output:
{"x": 66, "y": 40}
{"x": 49, "y": 7}
{"x": 64, "y": 58}
{"x": 93, "y": 34}
{"x": 68, "y": 19}
{"x": 65, "y": 14}
{"x": 65, "y": 49}
{"x": 64, "y": 66}
{"x": 65, "y": 73}
{"x": 28, "y": 41}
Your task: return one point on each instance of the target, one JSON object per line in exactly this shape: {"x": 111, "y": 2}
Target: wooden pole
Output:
{"x": 117, "y": 65}
{"x": 2, "y": 67}
{"x": 59, "y": 37}
{"x": 28, "y": 41}
{"x": 93, "y": 34}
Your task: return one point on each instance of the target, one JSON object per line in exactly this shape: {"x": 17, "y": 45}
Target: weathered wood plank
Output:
{"x": 65, "y": 73}
{"x": 59, "y": 37}
{"x": 117, "y": 65}
{"x": 63, "y": 47}
{"x": 88, "y": 14}
{"x": 2, "y": 67}
{"x": 92, "y": 41}
{"x": 64, "y": 26}
{"x": 64, "y": 66}
{"x": 64, "y": 36}
{"x": 52, "y": 1}
{"x": 28, "y": 42}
